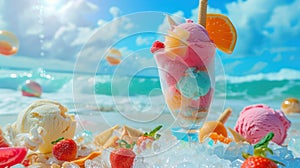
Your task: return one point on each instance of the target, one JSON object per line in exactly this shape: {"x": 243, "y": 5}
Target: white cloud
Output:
{"x": 285, "y": 22}
{"x": 101, "y": 22}
{"x": 282, "y": 49}
{"x": 115, "y": 11}
{"x": 165, "y": 26}
{"x": 258, "y": 67}
{"x": 75, "y": 12}
{"x": 58, "y": 33}
{"x": 259, "y": 24}
{"x": 262, "y": 25}
{"x": 83, "y": 35}
{"x": 143, "y": 40}
{"x": 195, "y": 12}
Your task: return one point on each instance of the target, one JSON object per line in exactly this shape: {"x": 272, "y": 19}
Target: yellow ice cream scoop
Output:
{"x": 52, "y": 117}
{"x": 290, "y": 105}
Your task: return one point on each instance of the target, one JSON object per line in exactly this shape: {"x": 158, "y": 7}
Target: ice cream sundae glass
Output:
{"x": 185, "y": 61}
{"x": 186, "y": 69}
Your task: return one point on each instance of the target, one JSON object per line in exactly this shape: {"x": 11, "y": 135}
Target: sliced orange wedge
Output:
{"x": 91, "y": 156}
{"x": 221, "y": 31}
{"x": 219, "y": 137}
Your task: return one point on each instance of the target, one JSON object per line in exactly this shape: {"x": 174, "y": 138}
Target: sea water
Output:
{"x": 98, "y": 104}
{"x": 236, "y": 92}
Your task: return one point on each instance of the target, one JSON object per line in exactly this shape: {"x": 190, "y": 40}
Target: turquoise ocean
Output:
{"x": 233, "y": 91}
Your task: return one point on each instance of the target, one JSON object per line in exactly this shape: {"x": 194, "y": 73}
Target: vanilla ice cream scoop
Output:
{"x": 49, "y": 115}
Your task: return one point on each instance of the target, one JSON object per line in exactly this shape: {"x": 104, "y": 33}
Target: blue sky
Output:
{"x": 53, "y": 32}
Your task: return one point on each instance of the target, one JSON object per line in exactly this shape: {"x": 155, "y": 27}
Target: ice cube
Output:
{"x": 237, "y": 163}
{"x": 234, "y": 151}
{"x": 186, "y": 164}
{"x": 140, "y": 163}
{"x": 96, "y": 163}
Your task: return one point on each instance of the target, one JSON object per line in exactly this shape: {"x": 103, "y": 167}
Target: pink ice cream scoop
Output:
{"x": 198, "y": 31}
{"x": 199, "y": 50}
{"x": 256, "y": 121}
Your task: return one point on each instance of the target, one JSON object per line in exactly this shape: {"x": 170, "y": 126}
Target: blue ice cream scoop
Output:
{"x": 194, "y": 83}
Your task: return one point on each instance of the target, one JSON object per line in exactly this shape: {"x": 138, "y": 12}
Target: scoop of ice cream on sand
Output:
{"x": 290, "y": 105}
{"x": 256, "y": 121}
{"x": 52, "y": 117}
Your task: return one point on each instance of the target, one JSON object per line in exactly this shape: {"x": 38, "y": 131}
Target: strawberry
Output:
{"x": 156, "y": 46}
{"x": 258, "y": 162}
{"x": 64, "y": 149}
{"x": 259, "y": 159}
{"x": 122, "y": 158}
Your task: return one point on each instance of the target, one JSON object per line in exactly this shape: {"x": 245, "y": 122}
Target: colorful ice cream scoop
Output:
{"x": 114, "y": 56}
{"x": 290, "y": 105}
{"x": 31, "y": 89}
{"x": 255, "y": 121}
{"x": 194, "y": 83}
{"x": 9, "y": 43}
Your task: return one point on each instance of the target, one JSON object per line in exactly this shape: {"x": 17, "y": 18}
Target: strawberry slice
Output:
{"x": 156, "y": 46}
{"x": 10, "y": 156}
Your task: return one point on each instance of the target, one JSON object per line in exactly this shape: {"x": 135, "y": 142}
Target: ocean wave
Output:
{"x": 285, "y": 83}
{"x": 283, "y": 74}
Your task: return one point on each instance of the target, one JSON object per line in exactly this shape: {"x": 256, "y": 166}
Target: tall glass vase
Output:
{"x": 187, "y": 80}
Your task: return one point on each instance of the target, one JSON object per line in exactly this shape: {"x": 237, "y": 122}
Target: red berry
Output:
{"x": 65, "y": 150}
{"x": 10, "y": 156}
{"x": 156, "y": 46}
{"x": 26, "y": 162}
{"x": 122, "y": 158}
{"x": 258, "y": 162}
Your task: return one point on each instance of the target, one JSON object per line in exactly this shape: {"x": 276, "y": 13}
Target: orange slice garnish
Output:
{"x": 91, "y": 156}
{"x": 219, "y": 137}
{"x": 221, "y": 31}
